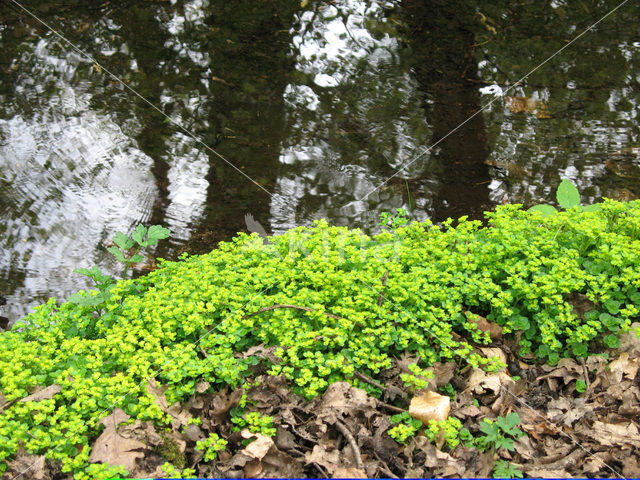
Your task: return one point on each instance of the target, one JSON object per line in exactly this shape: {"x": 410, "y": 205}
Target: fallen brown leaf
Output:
{"x": 479, "y": 381}
{"x": 44, "y": 394}
{"x": 527, "y": 104}
{"x": 349, "y": 473}
{"x": 179, "y": 416}
{"x": 328, "y": 459}
{"x": 623, "y": 366}
{"x": 430, "y": 406}
{"x": 27, "y": 466}
{"x": 611, "y": 434}
{"x": 484, "y": 325}
{"x": 112, "y": 448}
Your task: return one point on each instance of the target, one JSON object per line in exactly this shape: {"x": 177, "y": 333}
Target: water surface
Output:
{"x": 331, "y": 108}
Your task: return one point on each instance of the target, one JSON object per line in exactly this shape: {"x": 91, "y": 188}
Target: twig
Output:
{"x": 384, "y": 282}
{"x": 384, "y": 467}
{"x": 203, "y": 352}
{"x": 370, "y": 381}
{"x": 352, "y": 442}
{"x": 295, "y": 307}
{"x": 393, "y": 408}
{"x": 586, "y": 379}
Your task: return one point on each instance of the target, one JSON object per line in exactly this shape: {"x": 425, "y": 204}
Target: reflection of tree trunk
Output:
{"x": 250, "y": 43}
{"x": 443, "y": 43}
{"x": 146, "y": 40}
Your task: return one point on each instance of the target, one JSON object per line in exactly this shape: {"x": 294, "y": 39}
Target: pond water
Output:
{"x": 293, "y": 111}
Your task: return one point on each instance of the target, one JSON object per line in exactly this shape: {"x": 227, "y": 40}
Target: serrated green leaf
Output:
{"x": 138, "y": 234}
{"x": 95, "y": 274}
{"x": 117, "y": 253}
{"x": 136, "y": 258}
{"x": 544, "y": 209}
{"x": 156, "y": 233}
{"x": 85, "y": 300}
{"x": 512, "y": 419}
{"x": 506, "y": 443}
{"x": 567, "y": 194}
{"x": 76, "y": 298}
{"x": 122, "y": 241}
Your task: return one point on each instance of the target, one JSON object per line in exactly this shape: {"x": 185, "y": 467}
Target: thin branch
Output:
{"x": 384, "y": 282}
{"x": 352, "y": 442}
{"x": 384, "y": 468}
{"x": 586, "y": 378}
{"x": 294, "y": 307}
{"x": 393, "y": 408}
{"x": 370, "y": 381}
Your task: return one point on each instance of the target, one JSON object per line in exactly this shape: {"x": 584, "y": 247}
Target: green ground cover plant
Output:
{"x": 315, "y": 298}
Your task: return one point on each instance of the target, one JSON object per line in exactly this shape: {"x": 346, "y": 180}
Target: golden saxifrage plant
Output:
{"x": 329, "y": 301}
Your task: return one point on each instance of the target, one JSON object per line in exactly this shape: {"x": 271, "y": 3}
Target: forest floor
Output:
{"x": 343, "y": 433}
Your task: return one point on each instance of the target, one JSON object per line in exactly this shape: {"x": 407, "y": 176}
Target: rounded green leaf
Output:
{"x": 591, "y": 208}
{"x": 546, "y": 210}
{"x": 567, "y": 194}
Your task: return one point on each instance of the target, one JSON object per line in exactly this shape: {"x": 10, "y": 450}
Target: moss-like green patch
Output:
{"x": 327, "y": 301}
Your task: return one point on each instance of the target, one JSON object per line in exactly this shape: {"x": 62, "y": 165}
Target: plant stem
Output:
{"x": 126, "y": 265}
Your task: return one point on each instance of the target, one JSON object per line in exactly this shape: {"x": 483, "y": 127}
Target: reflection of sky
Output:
{"x": 529, "y": 156}
{"x": 337, "y": 51}
{"x": 75, "y": 178}
{"x": 354, "y": 116}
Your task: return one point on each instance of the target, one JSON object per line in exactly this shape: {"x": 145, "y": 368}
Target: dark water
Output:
{"x": 331, "y": 108}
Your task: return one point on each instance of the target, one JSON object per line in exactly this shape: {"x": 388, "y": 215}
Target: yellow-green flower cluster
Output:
{"x": 324, "y": 302}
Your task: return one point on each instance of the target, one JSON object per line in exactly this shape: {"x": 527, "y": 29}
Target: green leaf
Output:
{"x": 504, "y": 469}
{"x": 156, "y": 232}
{"x": 95, "y": 274}
{"x": 612, "y": 341}
{"x": 612, "y": 306}
{"x": 520, "y": 323}
{"x": 138, "y": 234}
{"x": 591, "y": 208}
{"x": 77, "y": 298}
{"x": 506, "y": 443}
{"x": 546, "y": 210}
{"x": 512, "y": 419}
{"x": 122, "y": 241}
{"x": 136, "y": 258}
{"x": 591, "y": 315}
{"x": 612, "y": 323}
{"x": 397, "y": 418}
{"x": 117, "y": 253}
{"x": 85, "y": 300}
{"x": 579, "y": 349}
{"x": 567, "y": 194}
{"x": 581, "y": 386}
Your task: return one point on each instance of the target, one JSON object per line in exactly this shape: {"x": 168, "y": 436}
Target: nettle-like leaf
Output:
{"x": 117, "y": 253}
{"x": 95, "y": 274}
{"x": 136, "y": 258}
{"x": 509, "y": 424}
{"x": 567, "y": 195}
{"x": 155, "y": 234}
{"x": 139, "y": 234}
{"x": 122, "y": 241}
